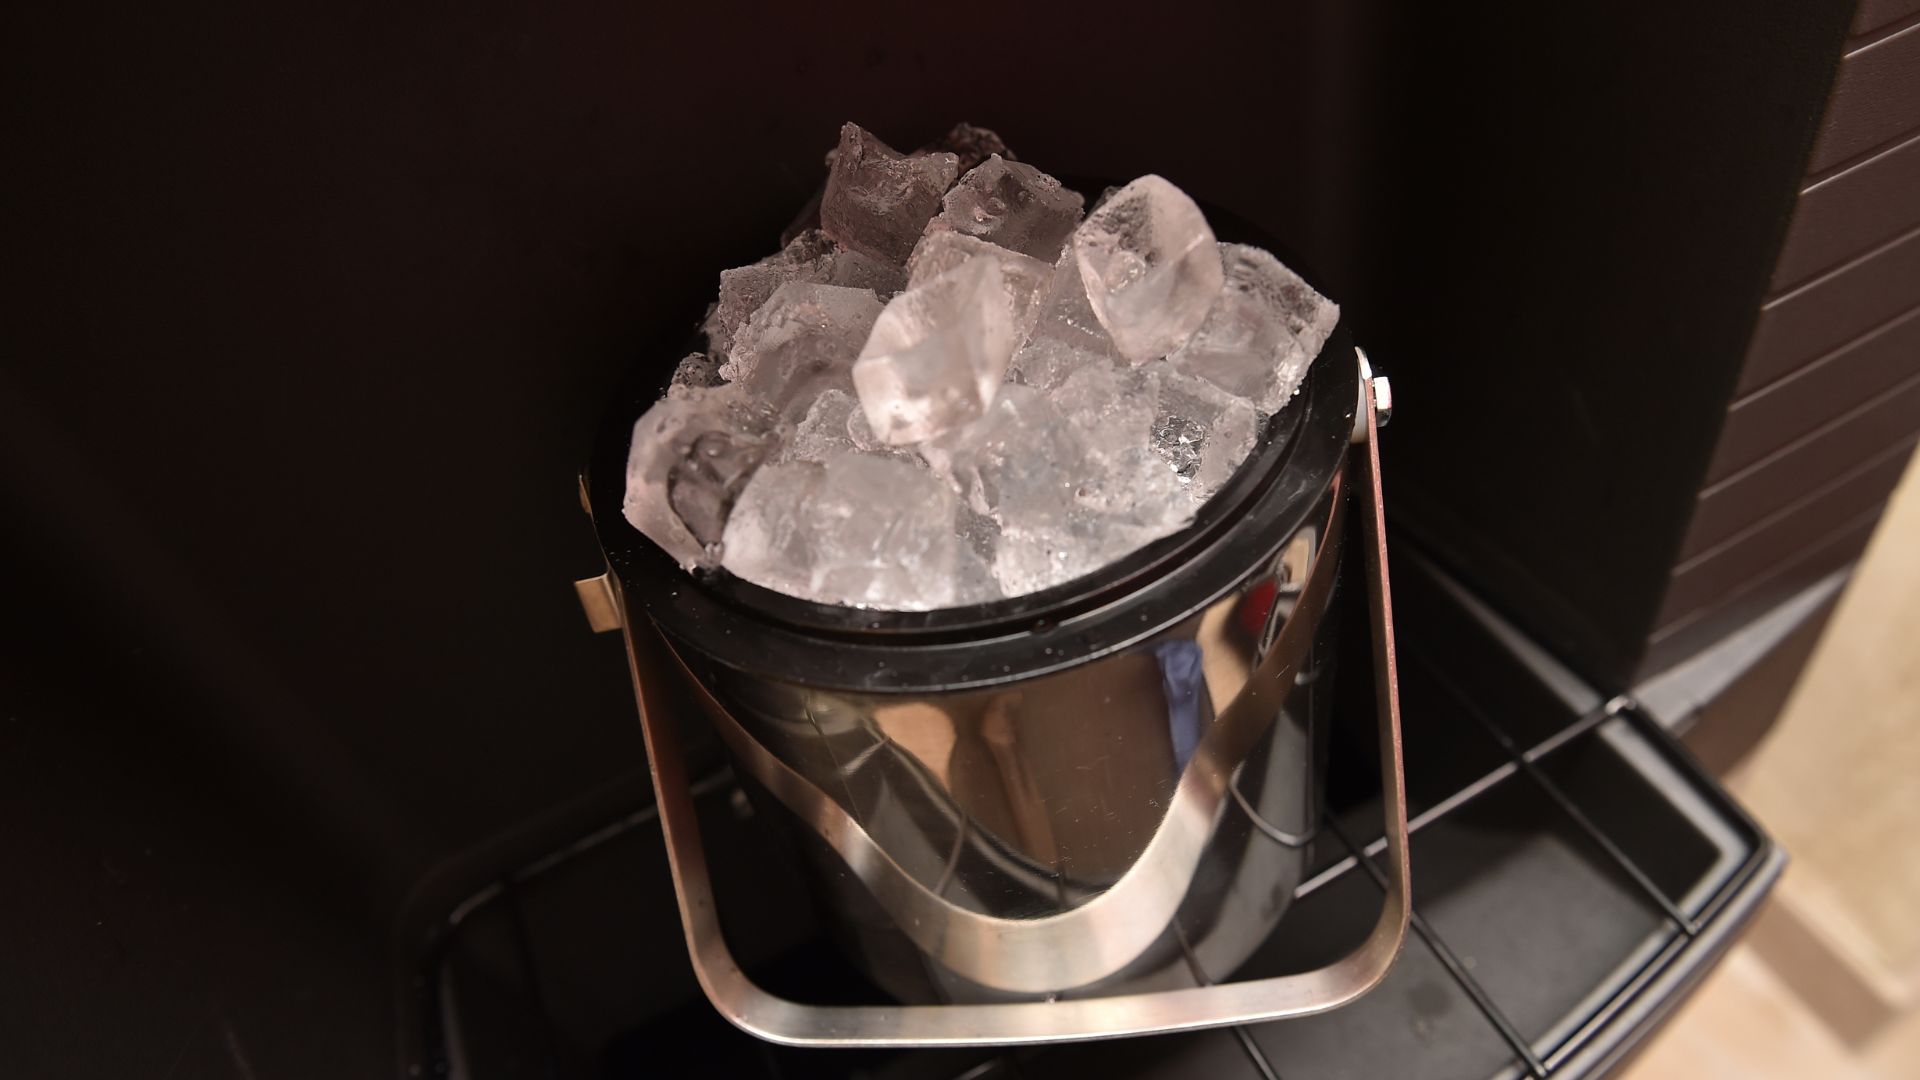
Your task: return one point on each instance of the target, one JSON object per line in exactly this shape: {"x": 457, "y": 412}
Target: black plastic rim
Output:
{"x": 758, "y": 632}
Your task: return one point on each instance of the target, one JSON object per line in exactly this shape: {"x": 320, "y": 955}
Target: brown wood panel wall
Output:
{"x": 1802, "y": 401}
{"x": 1851, "y": 211}
{"x": 1751, "y": 497}
{"x": 1826, "y": 414}
{"x": 1877, "y": 14}
{"x": 1875, "y": 98}
{"x": 1799, "y": 327}
{"x": 1714, "y": 573}
{"x": 1704, "y": 627}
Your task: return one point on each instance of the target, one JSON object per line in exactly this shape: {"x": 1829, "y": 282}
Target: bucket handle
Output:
{"x": 1252, "y": 1001}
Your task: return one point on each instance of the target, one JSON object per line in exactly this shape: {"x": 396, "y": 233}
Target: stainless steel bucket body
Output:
{"x": 1134, "y": 821}
{"x": 1098, "y": 789}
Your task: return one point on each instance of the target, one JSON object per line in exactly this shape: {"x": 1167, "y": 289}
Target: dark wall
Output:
{"x": 313, "y": 306}
{"x": 321, "y": 308}
{"x": 1584, "y": 226}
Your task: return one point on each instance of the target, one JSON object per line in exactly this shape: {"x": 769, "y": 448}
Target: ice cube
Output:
{"x": 852, "y": 530}
{"x": 1014, "y": 205}
{"x": 878, "y": 200}
{"x": 703, "y": 484}
{"x": 1128, "y": 501}
{"x": 979, "y": 530}
{"x": 813, "y": 258}
{"x": 1265, "y": 328}
{"x": 1065, "y": 335}
{"x": 973, "y": 580}
{"x": 1045, "y": 364}
{"x": 696, "y": 371}
{"x": 833, "y": 425}
{"x": 860, "y": 433}
{"x": 1019, "y": 462}
{"x": 1112, "y": 406}
{"x": 1068, "y": 492}
{"x": 690, "y": 458}
{"x": 942, "y": 250}
{"x": 1202, "y": 432}
{"x": 857, "y": 270}
{"x": 937, "y": 354}
{"x": 1029, "y": 560}
{"x": 742, "y": 290}
{"x": 802, "y": 341}
{"x": 822, "y": 433}
{"x": 971, "y": 144}
{"x": 1150, "y": 265}
{"x": 1137, "y": 488}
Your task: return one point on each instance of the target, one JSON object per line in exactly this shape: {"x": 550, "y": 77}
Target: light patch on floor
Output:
{"x": 1838, "y": 780}
{"x": 1838, "y": 783}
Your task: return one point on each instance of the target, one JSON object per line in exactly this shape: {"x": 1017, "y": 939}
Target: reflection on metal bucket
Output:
{"x": 1061, "y": 816}
{"x": 1069, "y": 831}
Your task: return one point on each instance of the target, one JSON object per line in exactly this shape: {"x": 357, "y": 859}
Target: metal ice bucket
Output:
{"x": 1066, "y": 815}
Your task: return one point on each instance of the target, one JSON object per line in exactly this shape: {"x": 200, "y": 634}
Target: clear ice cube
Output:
{"x": 937, "y": 354}
{"x": 879, "y": 200}
{"x": 1040, "y": 471}
{"x": 860, "y": 432}
{"x": 1013, "y": 205}
{"x": 858, "y": 270}
{"x": 1065, "y": 335}
{"x": 742, "y": 290}
{"x": 973, "y": 580}
{"x": 1112, "y": 406}
{"x": 810, "y": 258}
{"x": 942, "y": 250}
{"x": 1136, "y": 488}
{"x": 823, "y": 432}
{"x": 1202, "y": 432}
{"x": 695, "y": 371}
{"x": 1265, "y": 328}
{"x": 691, "y": 456}
{"x": 854, "y": 530}
{"x": 1070, "y": 485}
{"x": 1150, "y": 265}
{"x": 1018, "y": 463}
{"x": 703, "y": 484}
{"x": 834, "y": 424}
{"x": 801, "y": 342}
{"x": 1029, "y": 560}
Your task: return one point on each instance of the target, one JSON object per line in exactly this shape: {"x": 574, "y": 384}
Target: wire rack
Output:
{"x": 1574, "y": 872}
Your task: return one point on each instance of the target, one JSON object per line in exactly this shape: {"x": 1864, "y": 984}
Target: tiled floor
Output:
{"x": 1838, "y": 782}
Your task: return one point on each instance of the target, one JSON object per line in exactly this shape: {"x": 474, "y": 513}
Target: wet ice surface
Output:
{"x": 812, "y": 258}
{"x": 1013, "y": 205}
{"x": 801, "y": 342}
{"x": 955, "y": 389}
{"x": 810, "y": 529}
{"x": 686, "y": 466}
{"x": 1065, "y": 335}
{"x": 1150, "y": 266}
{"x": 937, "y": 354}
{"x": 1263, "y": 330}
{"x": 1021, "y": 276}
{"x": 878, "y": 200}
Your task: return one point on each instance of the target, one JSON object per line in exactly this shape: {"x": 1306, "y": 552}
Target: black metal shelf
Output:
{"x": 1574, "y": 873}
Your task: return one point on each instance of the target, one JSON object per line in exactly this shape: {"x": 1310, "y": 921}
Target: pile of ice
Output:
{"x": 952, "y": 388}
